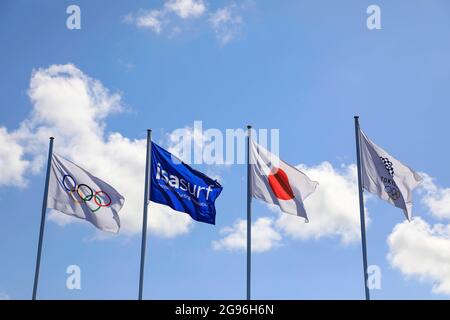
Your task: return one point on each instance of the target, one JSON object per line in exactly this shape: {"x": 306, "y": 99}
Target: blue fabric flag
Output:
{"x": 177, "y": 185}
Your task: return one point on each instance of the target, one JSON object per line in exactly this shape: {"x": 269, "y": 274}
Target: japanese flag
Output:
{"x": 276, "y": 182}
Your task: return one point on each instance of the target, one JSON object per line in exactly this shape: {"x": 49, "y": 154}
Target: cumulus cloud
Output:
{"x": 264, "y": 236}
{"x": 333, "y": 208}
{"x": 225, "y": 22}
{"x": 157, "y": 19}
{"x": 72, "y": 107}
{"x": 186, "y": 8}
{"x": 436, "y": 199}
{"x": 420, "y": 250}
{"x": 152, "y": 19}
{"x": 187, "y": 143}
{"x": 192, "y": 144}
{"x": 12, "y": 162}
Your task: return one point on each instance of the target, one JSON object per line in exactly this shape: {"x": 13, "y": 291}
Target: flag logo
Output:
{"x": 387, "y": 177}
{"x": 392, "y": 191}
{"x": 182, "y": 188}
{"x": 76, "y": 192}
{"x": 276, "y": 182}
{"x": 279, "y": 183}
{"x": 388, "y": 165}
{"x": 82, "y": 193}
{"x": 389, "y": 184}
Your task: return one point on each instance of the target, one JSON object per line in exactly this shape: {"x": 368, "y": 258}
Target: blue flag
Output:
{"x": 177, "y": 185}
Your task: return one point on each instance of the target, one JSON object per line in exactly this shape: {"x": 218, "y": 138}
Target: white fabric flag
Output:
{"x": 276, "y": 182}
{"x": 387, "y": 177}
{"x": 74, "y": 191}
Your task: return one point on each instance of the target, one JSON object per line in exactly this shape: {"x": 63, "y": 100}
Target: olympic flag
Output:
{"x": 76, "y": 192}
{"x": 382, "y": 174}
{"x": 387, "y": 177}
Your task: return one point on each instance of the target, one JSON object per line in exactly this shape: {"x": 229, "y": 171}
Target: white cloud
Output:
{"x": 186, "y": 8}
{"x": 436, "y": 199}
{"x": 12, "y": 164}
{"x": 226, "y": 23}
{"x": 72, "y": 107}
{"x": 333, "y": 209}
{"x": 151, "y": 19}
{"x": 420, "y": 250}
{"x": 182, "y": 143}
{"x": 188, "y": 143}
{"x": 222, "y": 15}
{"x": 157, "y": 19}
{"x": 264, "y": 236}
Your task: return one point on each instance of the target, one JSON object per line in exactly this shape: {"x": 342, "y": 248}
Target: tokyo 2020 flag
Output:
{"x": 274, "y": 181}
{"x": 387, "y": 177}
{"x": 76, "y": 192}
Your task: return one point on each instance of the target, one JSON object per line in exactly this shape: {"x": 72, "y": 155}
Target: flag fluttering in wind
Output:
{"x": 76, "y": 192}
{"x": 184, "y": 189}
{"x": 387, "y": 177}
{"x": 276, "y": 182}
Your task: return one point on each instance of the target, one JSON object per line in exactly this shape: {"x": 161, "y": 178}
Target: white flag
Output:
{"x": 387, "y": 177}
{"x": 74, "y": 191}
{"x": 276, "y": 182}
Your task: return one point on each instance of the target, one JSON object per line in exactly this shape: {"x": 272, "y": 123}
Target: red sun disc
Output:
{"x": 279, "y": 182}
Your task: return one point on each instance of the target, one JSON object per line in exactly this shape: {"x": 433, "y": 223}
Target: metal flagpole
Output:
{"x": 361, "y": 208}
{"x": 44, "y": 209}
{"x": 146, "y": 201}
{"x": 249, "y": 217}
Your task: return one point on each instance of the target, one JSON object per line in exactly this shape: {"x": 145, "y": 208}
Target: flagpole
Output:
{"x": 44, "y": 209}
{"x": 361, "y": 208}
{"x": 249, "y": 217}
{"x": 146, "y": 201}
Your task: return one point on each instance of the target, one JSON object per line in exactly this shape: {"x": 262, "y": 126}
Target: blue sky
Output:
{"x": 303, "y": 67}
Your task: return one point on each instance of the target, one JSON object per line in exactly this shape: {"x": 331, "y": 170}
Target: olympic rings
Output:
{"x": 393, "y": 192}
{"x": 64, "y": 183}
{"x": 82, "y": 193}
{"x": 98, "y": 201}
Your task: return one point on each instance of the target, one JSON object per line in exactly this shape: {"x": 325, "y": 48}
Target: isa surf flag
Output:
{"x": 177, "y": 185}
